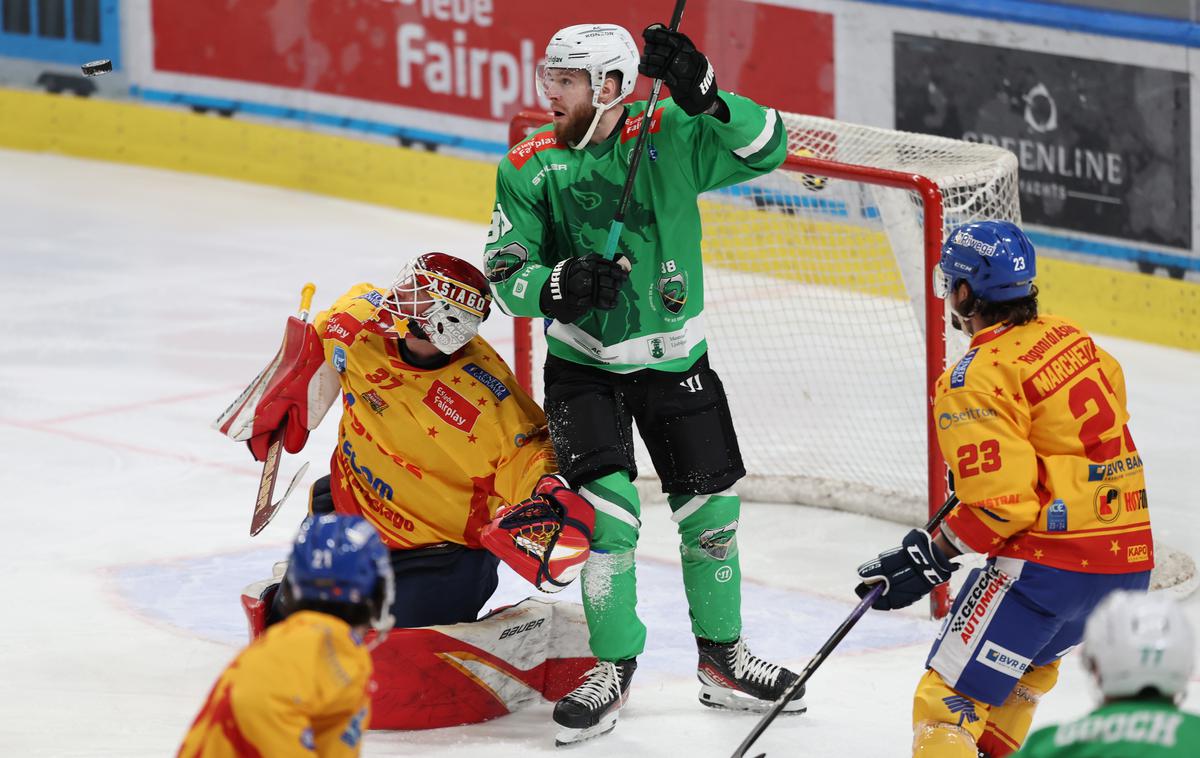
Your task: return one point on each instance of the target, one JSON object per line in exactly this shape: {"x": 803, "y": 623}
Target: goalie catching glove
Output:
{"x": 546, "y": 538}
{"x": 909, "y": 572}
{"x": 292, "y": 393}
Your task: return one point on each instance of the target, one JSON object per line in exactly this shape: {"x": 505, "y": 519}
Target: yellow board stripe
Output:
{"x": 174, "y": 138}
{"x": 1108, "y": 301}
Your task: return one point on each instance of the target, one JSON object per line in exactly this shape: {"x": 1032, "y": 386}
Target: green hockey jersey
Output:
{"x": 1120, "y": 729}
{"x": 554, "y": 202}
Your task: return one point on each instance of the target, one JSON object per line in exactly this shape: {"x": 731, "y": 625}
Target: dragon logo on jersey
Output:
{"x": 720, "y": 542}
{"x": 673, "y": 292}
{"x": 587, "y": 207}
{"x": 499, "y": 265}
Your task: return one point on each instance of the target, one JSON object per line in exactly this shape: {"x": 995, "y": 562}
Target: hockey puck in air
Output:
{"x": 96, "y": 68}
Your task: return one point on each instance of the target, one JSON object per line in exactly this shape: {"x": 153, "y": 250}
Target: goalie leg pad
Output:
{"x": 441, "y": 676}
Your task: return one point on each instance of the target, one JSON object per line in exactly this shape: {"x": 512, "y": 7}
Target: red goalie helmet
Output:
{"x": 439, "y": 298}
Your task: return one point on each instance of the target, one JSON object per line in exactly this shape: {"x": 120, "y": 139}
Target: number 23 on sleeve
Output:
{"x": 975, "y": 459}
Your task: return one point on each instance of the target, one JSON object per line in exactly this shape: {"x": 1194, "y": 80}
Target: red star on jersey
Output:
{"x": 416, "y": 376}
{"x": 455, "y": 380}
{"x": 472, "y": 438}
{"x": 997, "y": 392}
{"x": 363, "y": 337}
{"x": 1041, "y": 323}
{"x": 432, "y": 432}
{"x": 1018, "y": 344}
{"x": 995, "y": 364}
{"x": 995, "y": 350}
{"x": 1016, "y": 397}
{"x": 472, "y": 384}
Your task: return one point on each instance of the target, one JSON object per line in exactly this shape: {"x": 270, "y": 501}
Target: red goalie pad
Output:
{"x": 547, "y": 538}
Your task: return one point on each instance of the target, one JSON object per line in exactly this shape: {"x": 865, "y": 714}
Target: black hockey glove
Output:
{"x": 577, "y": 285}
{"x": 909, "y": 572}
{"x": 672, "y": 57}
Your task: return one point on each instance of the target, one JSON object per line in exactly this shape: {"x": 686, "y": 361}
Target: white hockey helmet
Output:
{"x": 1138, "y": 640}
{"x": 598, "y": 49}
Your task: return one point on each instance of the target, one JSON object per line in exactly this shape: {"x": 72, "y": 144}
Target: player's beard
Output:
{"x": 576, "y": 124}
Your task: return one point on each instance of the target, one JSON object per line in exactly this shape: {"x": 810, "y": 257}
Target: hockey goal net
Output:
{"x": 820, "y": 316}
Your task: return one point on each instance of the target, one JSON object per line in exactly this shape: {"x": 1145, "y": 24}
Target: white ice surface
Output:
{"x": 137, "y": 303}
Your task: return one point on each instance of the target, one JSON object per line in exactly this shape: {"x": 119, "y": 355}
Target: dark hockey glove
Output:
{"x": 577, "y": 285}
{"x": 672, "y": 57}
{"x": 909, "y": 572}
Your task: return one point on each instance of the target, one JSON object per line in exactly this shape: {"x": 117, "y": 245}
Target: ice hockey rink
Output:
{"x": 137, "y": 303}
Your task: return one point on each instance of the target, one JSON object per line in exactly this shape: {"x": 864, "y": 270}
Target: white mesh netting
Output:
{"x": 814, "y": 309}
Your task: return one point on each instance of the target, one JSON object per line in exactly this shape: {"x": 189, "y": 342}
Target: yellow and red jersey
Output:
{"x": 1033, "y": 422}
{"x": 427, "y": 455}
{"x": 301, "y": 689}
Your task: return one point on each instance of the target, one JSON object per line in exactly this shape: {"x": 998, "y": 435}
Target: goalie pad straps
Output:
{"x": 546, "y": 538}
{"x": 294, "y": 391}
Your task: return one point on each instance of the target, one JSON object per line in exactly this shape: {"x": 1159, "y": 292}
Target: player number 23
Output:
{"x": 982, "y": 458}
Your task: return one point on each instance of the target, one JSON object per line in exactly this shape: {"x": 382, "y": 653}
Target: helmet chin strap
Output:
{"x": 601, "y": 109}
{"x": 591, "y": 130}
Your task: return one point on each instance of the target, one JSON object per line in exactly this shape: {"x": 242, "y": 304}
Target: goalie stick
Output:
{"x": 264, "y": 509}
{"x": 834, "y": 640}
{"x": 618, "y": 222}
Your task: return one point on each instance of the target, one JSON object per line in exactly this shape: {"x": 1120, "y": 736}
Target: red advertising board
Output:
{"x": 476, "y": 58}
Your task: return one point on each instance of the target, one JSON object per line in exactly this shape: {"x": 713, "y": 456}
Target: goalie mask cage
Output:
{"x": 820, "y": 315}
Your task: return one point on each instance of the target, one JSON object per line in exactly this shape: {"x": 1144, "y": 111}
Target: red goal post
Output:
{"x": 846, "y": 198}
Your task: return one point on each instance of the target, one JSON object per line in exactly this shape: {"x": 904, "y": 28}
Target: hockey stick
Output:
{"x": 618, "y": 222}
{"x": 859, "y": 611}
{"x": 264, "y": 509}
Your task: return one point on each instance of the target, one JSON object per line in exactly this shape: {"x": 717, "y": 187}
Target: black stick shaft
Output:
{"x": 859, "y": 611}
{"x": 614, "y": 231}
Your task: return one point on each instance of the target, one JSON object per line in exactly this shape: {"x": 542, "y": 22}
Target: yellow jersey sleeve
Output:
{"x": 299, "y": 690}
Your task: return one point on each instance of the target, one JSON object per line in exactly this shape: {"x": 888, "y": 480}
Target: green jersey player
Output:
{"x": 626, "y": 337}
{"x": 1140, "y": 650}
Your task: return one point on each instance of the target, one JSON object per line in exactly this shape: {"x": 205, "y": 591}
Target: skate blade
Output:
{"x": 567, "y": 736}
{"x": 723, "y": 698}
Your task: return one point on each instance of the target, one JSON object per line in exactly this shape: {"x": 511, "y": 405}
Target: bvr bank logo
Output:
{"x": 1003, "y": 660}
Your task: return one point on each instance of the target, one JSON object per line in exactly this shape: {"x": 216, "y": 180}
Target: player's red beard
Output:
{"x": 575, "y": 126}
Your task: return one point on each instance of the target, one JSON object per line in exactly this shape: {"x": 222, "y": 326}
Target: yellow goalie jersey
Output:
{"x": 299, "y": 690}
{"x": 426, "y": 455}
{"x": 1032, "y": 421}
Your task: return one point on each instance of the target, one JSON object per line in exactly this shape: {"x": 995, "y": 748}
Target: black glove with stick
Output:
{"x": 577, "y": 285}
{"x": 909, "y": 572}
{"x": 672, "y": 57}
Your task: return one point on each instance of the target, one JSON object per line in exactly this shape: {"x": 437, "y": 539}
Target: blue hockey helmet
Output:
{"x": 994, "y": 258}
{"x": 340, "y": 559}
